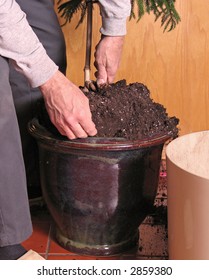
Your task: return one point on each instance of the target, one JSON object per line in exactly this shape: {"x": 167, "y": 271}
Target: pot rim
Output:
{"x": 91, "y": 143}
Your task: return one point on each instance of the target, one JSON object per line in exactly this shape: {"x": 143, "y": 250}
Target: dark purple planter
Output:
{"x": 98, "y": 190}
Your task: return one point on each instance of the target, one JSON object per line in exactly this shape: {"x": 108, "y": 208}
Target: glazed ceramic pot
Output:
{"x": 188, "y": 196}
{"x": 98, "y": 190}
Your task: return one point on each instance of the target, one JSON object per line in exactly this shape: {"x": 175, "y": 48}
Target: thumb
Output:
{"x": 101, "y": 75}
{"x": 100, "y": 82}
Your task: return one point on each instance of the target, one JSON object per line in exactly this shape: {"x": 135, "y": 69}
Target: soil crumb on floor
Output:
{"x": 121, "y": 110}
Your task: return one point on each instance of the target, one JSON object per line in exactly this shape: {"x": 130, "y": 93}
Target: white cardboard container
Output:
{"x": 187, "y": 161}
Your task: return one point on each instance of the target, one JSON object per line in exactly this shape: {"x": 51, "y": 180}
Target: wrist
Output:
{"x": 113, "y": 26}
{"x": 50, "y": 83}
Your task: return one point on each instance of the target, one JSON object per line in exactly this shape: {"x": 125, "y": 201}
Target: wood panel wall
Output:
{"x": 173, "y": 65}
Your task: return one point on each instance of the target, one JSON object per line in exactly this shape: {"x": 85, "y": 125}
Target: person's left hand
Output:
{"x": 107, "y": 58}
{"x": 68, "y": 107}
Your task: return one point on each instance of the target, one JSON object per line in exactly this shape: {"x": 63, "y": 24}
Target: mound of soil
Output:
{"x": 121, "y": 110}
{"x": 127, "y": 111}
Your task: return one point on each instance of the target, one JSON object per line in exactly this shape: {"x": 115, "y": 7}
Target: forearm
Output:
{"x": 19, "y": 43}
{"x": 114, "y": 15}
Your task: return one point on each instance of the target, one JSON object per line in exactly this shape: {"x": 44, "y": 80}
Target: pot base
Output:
{"x": 96, "y": 250}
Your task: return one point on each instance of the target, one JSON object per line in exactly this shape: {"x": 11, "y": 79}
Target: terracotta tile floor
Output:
{"x": 152, "y": 241}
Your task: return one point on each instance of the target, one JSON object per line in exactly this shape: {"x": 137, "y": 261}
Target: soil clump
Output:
{"x": 127, "y": 111}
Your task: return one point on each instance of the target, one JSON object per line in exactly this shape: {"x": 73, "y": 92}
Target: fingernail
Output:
{"x": 100, "y": 82}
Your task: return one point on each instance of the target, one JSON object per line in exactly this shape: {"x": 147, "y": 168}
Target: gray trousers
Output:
{"x": 18, "y": 104}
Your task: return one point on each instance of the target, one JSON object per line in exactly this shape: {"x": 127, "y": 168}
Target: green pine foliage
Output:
{"x": 69, "y": 8}
{"x": 162, "y": 9}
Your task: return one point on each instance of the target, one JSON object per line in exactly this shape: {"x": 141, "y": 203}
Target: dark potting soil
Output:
{"x": 127, "y": 111}
{"x": 121, "y": 110}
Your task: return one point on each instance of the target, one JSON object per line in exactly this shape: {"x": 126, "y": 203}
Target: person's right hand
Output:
{"x": 107, "y": 55}
{"x": 68, "y": 107}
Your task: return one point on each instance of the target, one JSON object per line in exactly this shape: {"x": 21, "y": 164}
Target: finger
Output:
{"x": 101, "y": 75}
{"x": 66, "y": 132}
{"x": 89, "y": 128}
{"x": 111, "y": 73}
{"x": 78, "y": 131}
{"x": 92, "y": 132}
{"x": 90, "y": 85}
{"x": 61, "y": 131}
{"x": 59, "y": 127}
{"x": 64, "y": 129}
{"x": 110, "y": 79}
{"x": 70, "y": 134}
{"x": 100, "y": 82}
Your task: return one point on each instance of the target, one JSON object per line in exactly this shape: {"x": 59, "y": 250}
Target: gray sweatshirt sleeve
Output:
{"x": 114, "y": 15}
{"x": 19, "y": 43}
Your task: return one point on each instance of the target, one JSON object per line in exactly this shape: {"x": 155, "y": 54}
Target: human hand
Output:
{"x": 107, "y": 58}
{"x": 68, "y": 107}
